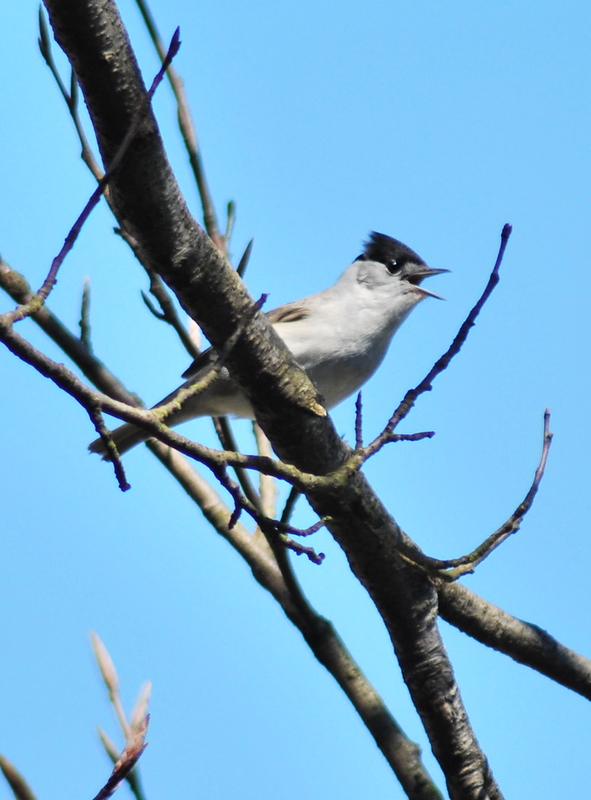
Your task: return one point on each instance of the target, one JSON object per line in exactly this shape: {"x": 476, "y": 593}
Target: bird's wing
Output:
{"x": 290, "y": 312}
{"x": 205, "y": 359}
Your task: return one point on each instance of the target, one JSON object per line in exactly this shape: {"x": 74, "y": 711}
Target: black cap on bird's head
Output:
{"x": 386, "y": 250}
{"x": 398, "y": 260}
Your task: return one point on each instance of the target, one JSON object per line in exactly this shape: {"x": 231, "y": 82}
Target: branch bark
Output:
{"x": 522, "y": 641}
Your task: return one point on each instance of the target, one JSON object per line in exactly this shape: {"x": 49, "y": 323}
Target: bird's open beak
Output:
{"x": 427, "y": 272}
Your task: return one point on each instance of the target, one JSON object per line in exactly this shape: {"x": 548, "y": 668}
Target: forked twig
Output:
{"x": 512, "y": 525}
{"x": 274, "y": 530}
{"x": 454, "y": 568}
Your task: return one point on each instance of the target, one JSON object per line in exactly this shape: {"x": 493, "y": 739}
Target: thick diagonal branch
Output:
{"x": 147, "y": 197}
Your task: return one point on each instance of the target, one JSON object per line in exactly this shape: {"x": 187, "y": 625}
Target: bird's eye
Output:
{"x": 392, "y": 266}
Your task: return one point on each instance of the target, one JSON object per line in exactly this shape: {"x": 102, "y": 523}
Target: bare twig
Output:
{"x": 143, "y": 418}
{"x": 85, "y": 315}
{"x": 39, "y": 299}
{"x": 410, "y": 398}
{"x": 17, "y": 287}
{"x": 286, "y": 528}
{"x": 267, "y": 486}
{"x": 512, "y": 525}
{"x": 230, "y": 220}
{"x": 111, "y": 447}
{"x": 228, "y": 442}
{"x": 302, "y": 550}
{"x": 288, "y": 509}
{"x": 442, "y": 364}
{"x": 272, "y": 528}
{"x": 111, "y": 680}
{"x": 243, "y": 263}
{"x": 133, "y": 777}
{"x": 152, "y": 308}
{"x": 358, "y": 422}
{"x": 452, "y": 569}
{"x": 71, "y": 97}
{"x": 127, "y": 761}
{"x": 411, "y": 437}
{"x": 169, "y": 312}
{"x": 20, "y": 788}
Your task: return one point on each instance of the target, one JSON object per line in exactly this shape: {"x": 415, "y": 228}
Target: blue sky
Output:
{"x": 435, "y": 123}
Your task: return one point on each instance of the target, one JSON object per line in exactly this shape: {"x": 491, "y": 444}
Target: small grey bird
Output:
{"x": 339, "y": 336}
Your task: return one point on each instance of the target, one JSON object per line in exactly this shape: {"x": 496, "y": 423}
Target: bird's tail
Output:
{"x": 125, "y": 437}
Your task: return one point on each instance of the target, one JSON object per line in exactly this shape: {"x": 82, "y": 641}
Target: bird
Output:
{"x": 339, "y": 336}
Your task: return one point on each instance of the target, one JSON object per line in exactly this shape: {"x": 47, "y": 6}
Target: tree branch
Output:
{"x": 283, "y": 398}
{"x": 522, "y": 641}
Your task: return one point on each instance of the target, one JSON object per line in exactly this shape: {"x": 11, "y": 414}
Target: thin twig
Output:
{"x": 453, "y": 568}
{"x": 85, "y": 315}
{"x": 361, "y": 455}
{"x": 146, "y": 419}
{"x": 152, "y": 308}
{"x": 286, "y": 528}
{"x": 15, "y": 285}
{"x": 157, "y": 287}
{"x": 243, "y": 263}
{"x": 301, "y": 550}
{"x": 267, "y": 485}
{"x": 270, "y": 527}
{"x": 230, "y": 220}
{"x": 290, "y": 503}
{"x": 512, "y": 525}
{"x": 71, "y": 97}
{"x": 358, "y": 422}
{"x": 127, "y": 761}
{"x": 39, "y": 299}
{"x": 133, "y": 777}
{"x": 169, "y": 312}
{"x": 111, "y": 447}
{"x": 442, "y": 363}
{"x": 20, "y": 788}
{"x": 228, "y": 442}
